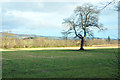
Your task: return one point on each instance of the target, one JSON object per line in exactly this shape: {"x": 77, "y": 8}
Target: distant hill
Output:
{"x": 50, "y": 37}
{"x": 26, "y": 35}
{"x": 33, "y": 35}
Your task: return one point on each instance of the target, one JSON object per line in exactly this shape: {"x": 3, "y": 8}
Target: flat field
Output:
{"x": 91, "y": 63}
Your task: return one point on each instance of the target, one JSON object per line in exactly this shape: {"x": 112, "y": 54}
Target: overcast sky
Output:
{"x": 45, "y": 18}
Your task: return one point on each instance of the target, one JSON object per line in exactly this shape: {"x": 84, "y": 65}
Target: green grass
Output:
{"x": 93, "y": 63}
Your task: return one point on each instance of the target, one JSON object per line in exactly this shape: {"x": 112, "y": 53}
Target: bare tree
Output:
{"x": 7, "y": 36}
{"x": 82, "y": 22}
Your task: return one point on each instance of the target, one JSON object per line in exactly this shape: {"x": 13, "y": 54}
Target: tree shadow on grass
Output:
{"x": 87, "y": 50}
{"x": 71, "y": 50}
{"x": 65, "y": 50}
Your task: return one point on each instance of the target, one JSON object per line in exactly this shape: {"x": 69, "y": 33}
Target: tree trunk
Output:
{"x": 82, "y": 43}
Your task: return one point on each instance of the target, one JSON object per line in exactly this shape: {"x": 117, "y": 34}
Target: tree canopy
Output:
{"x": 83, "y": 21}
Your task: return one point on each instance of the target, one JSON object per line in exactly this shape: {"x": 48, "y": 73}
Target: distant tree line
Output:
{"x": 9, "y": 41}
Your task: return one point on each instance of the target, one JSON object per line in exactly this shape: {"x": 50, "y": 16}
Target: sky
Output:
{"x": 45, "y": 17}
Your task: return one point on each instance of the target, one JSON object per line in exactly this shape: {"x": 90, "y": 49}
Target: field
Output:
{"x": 91, "y": 63}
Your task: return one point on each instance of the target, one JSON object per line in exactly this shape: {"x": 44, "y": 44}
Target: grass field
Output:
{"x": 92, "y": 63}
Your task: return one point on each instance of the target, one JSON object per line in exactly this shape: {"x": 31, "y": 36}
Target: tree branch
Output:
{"x": 107, "y": 5}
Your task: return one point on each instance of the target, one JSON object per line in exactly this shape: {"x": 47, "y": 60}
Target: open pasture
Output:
{"x": 91, "y": 63}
